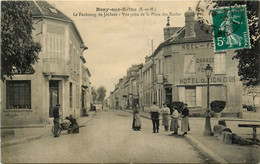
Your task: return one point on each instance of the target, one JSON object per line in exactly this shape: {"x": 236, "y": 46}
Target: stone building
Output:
{"x": 58, "y": 77}
{"x": 184, "y": 57}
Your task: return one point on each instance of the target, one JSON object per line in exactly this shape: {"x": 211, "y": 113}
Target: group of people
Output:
{"x": 155, "y": 113}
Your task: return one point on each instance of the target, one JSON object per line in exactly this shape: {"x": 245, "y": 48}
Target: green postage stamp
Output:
{"x": 230, "y": 28}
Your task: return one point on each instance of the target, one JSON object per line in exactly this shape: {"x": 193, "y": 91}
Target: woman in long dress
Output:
{"x": 137, "y": 121}
{"x": 174, "y": 123}
{"x": 165, "y": 116}
{"x": 185, "y": 127}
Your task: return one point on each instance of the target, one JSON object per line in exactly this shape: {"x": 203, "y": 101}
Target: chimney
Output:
{"x": 189, "y": 23}
{"x": 166, "y": 29}
{"x": 169, "y": 31}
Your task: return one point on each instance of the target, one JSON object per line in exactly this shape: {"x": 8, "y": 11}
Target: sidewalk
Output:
{"x": 212, "y": 147}
{"x": 33, "y": 132}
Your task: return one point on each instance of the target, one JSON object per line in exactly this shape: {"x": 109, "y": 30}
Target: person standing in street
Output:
{"x": 174, "y": 122}
{"x": 165, "y": 116}
{"x": 137, "y": 121}
{"x": 56, "y": 115}
{"x": 155, "y": 113}
{"x": 185, "y": 127}
{"x": 134, "y": 111}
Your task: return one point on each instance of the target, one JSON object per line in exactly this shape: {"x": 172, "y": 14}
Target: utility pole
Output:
{"x": 152, "y": 45}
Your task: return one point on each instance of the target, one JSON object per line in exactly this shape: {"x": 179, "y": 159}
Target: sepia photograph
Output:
{"x": 128, "y": 81}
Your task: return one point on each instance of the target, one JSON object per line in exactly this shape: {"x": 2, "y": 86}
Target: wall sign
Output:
{"x": 223, "y": 79}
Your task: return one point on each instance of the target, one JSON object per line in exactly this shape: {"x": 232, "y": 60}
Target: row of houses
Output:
{"x": 176, "y": 72}
{"x": 60, "y": 77}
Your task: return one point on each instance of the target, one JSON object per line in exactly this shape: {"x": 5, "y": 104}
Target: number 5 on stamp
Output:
{"x": 230, "y": 28}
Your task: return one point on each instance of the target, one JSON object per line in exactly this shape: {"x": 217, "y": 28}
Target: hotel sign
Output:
{"x": 214, "y": 80}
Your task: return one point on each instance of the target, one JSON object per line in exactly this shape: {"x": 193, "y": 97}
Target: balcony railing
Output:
{"x": 56, "y": 66}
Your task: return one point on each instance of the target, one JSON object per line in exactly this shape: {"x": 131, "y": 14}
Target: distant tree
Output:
{"x": 18, "y": 50}
{"x": 94, "y": 94}
{"x": 101, "y": 93}
{"x": 254, "y": 92}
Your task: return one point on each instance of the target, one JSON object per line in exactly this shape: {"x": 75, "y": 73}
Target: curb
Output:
{"x": 19, "y": 141}
{"x": 200, "y": 147}
{"x": 24, "y": 126}
{"x": 204, "y": 150}
{"x": 36, "y": 137}
{"x": 7, "y": 132}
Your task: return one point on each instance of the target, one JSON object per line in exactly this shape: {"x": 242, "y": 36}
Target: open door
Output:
{"x": 54, "y": 95}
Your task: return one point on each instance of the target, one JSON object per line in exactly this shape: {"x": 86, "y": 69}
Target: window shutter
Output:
{"x": 198, "y": 96}
{"x": 182, "y": 94}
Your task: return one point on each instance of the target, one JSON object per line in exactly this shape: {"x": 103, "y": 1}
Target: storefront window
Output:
{"x": 18, "y": 94}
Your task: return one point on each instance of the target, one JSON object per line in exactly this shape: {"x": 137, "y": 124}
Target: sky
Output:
{"x": 119, "y": 41}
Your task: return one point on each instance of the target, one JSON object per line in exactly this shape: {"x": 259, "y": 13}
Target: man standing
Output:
{"x": 155, "y": 110}
{"x": 56, "y": 115}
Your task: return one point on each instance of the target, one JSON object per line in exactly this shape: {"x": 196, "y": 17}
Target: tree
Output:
{"x": 101, "y": 93}
{"x": 94, "y": 94}
{"x": 249, "y": 63}
{"x": 254, "y": 92}
{"x": 18, "y": 50}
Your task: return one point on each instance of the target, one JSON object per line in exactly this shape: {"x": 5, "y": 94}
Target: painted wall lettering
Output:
{"x": 197, "y": 46}
{"x": 223, "y": 79}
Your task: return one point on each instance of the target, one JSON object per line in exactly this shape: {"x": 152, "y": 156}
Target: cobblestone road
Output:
{"x": 106, "y": 138}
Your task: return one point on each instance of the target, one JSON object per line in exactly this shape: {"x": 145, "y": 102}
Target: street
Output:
{"x": 108, "y": 137}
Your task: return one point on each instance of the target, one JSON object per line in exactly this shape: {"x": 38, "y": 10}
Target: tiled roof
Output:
{"x": 42, "y": 8}
{"x": 201, "y": 35}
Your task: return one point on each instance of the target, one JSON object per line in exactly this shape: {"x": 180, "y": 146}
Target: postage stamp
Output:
{"x": 230, "y": 28}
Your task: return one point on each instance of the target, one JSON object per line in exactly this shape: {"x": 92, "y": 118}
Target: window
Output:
{"x": 55, "y": 46}
{"x": 190, "y": 96}
{"x": 189, "y": 64}
{"x": 18, "y": 94}
{"x": 168, "y": 65}
{"x": 71, "y": 95}
{"x": 220, "y": 63}
{"x": 77, "y": 96}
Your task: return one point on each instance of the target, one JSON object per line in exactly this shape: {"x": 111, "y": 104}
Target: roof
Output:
{"x": 201, "y": 35}
{"x": 42, "y": 9}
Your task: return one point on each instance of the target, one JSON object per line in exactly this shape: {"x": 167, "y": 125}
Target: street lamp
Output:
{"x": 207, "y": 130}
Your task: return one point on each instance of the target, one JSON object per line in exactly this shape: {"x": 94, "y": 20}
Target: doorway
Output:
{"x": 54, "y": 95}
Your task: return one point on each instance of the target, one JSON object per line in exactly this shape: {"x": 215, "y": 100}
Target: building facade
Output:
{"x": 58, "y": 77}
{"x": 176, "y": 71}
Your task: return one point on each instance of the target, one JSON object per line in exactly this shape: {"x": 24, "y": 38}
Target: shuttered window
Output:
{"x": 18, "y": 94}
{"x": 182, "y": 94}
{"x": 190, "y": 96}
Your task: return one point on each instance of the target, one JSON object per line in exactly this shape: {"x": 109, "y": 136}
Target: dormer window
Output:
{"x": 53, "y": 10}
